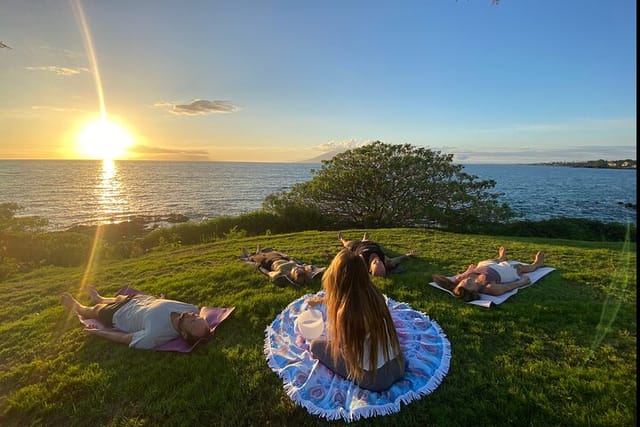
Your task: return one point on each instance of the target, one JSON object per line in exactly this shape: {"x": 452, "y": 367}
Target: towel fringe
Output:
{"x": 342, "y": 413}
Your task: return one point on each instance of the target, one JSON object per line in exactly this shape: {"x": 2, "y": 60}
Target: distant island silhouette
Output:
{"x": 324, "y": 156}
{"x": 598, "y": 164}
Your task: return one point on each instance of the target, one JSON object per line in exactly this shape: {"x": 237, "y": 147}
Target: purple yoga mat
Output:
{"x": 214, "y": 316}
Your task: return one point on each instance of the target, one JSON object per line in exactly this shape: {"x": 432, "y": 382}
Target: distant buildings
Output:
{"x": 600, "y": 164}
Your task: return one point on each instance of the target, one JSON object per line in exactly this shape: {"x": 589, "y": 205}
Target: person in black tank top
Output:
{"x": 378, "y": 263}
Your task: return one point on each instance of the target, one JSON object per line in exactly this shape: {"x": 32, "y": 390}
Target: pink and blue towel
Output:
{"x": 313, "y": 386}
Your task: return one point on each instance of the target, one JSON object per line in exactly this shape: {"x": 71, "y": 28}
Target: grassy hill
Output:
{"x": 562, "y": 352}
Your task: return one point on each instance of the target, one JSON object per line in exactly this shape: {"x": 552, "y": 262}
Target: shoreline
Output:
{"x": 151, "y": 222}
{"x": 626, "y": 164}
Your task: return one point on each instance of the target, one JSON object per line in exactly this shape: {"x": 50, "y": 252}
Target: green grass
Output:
{"x": 562, "y": 352}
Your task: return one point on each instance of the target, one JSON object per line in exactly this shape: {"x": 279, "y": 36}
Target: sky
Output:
{"x": 282, "y": 81}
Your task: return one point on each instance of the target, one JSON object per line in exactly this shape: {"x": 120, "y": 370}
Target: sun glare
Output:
{"x": 104, "y": 139}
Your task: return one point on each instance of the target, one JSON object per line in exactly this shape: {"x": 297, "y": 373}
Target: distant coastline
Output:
{"x": 598, "y": 164}
{"x": 75, "y": 192}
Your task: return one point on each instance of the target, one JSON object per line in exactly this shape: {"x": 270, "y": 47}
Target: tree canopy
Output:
{"x": 393, "y": 185}
{"x": 9, "y": 222}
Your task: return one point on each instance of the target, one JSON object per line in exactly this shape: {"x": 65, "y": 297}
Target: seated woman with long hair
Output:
{"x": 362, "y": 342}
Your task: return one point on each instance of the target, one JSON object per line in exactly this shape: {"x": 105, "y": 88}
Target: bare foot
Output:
{"x": 539, "y": 260}
{"x": 68, "y": 301}
{"x": 501, "y": 253}
{"x": 94, "y": 296}
{"x": 365, "y": 237}
{"x": 340, "y": 236}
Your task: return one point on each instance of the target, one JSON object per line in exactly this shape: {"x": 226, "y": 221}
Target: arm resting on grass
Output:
{"x": 394, "y": 262}
{"x": 115, "y": 336}
{"x": 496, "y": 289}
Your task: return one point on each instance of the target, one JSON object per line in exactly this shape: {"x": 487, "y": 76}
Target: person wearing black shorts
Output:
{"x": 141, "y": 321}
{"x": 105, "y": 312}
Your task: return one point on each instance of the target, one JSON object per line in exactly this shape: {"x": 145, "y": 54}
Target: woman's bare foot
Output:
{"x": 68, "y": 301}
{"x": 340, "y": 236}
{"x": 502, "y": 253}
{"x": 539, "y": 260}
{"x": 365, "y": 237}
{"x": 94, "y": 296}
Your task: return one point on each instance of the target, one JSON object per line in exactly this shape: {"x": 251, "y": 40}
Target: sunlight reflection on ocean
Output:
{"x": 84, "y": 192}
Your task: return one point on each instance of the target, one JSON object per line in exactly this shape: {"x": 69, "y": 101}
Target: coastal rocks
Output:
{"x": 629, "y": 205}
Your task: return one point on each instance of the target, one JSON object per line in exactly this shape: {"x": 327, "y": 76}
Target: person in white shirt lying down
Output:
{"x": 491, "y": 277}
{"x": 141, "y": 321}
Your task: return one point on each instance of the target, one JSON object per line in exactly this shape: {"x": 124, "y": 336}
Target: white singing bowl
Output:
{"x": 310, "y": 324}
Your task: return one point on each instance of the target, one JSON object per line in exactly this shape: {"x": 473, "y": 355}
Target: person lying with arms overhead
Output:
{"x": 378, "y": 263}
{"x": 142, "y": 321}
{"x": 492, "y": 277}
{"x": 362, "y": 343}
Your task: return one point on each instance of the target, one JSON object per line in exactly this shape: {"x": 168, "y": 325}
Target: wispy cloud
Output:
{"x": 199, "y": 107}
{"x": 340, "y": 146}
{"x": 36, "y": 111}
{"x": 61, "y": 71}
{"x": 56, "y": 109}
{"x": 169, "y": 153}
{"x": 66, "y": 53}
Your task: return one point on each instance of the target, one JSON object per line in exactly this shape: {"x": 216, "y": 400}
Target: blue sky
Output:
{"x": 288, "y": 80}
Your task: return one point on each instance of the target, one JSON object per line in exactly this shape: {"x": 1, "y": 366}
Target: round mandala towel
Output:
{"x": 309, "y": 383}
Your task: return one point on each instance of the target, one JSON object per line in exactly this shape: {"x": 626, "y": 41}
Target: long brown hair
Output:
{"x": 355, "y": 308}
{"x": 458, "y": 291}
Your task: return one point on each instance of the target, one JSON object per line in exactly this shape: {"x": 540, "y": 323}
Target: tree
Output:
{"x": 9, "y": 222}
{"x": 384, "y": 185}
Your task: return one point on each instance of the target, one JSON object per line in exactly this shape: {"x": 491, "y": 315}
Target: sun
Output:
{"x": 104, "y": 139}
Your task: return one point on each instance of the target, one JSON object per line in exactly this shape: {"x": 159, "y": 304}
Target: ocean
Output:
{"x": 538, "y": 192}
{"x": 72, "y": 192}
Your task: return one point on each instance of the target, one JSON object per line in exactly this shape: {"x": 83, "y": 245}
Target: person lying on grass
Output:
{"x": 363, "y": 345}
{"x": 378, "y": 263}
{"x": 280, "y": 265}
{"x": 142, "y": 321}
{"x": 491, "y": 277}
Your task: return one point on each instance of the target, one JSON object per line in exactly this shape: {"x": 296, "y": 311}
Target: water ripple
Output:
{"x": 73, "y": 192}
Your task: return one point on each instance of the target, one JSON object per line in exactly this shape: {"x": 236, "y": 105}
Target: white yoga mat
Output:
{"x": 486, "y": 300}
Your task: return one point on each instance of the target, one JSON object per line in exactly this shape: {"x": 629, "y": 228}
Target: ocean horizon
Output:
{"x": 74, "y": 192}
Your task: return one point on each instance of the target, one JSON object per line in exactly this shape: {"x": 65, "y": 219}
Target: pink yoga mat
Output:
{"x": 214, "y": 316}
